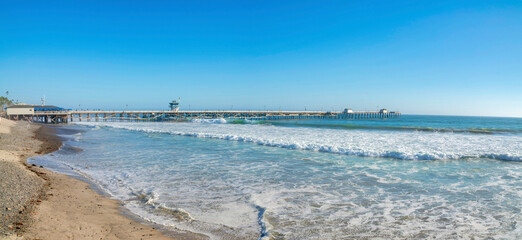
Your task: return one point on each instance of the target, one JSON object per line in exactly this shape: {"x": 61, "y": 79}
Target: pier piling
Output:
{"x": 70, "y": 116}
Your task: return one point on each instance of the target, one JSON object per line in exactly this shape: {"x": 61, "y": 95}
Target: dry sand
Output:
{"x": 39, "y": 204}
{"x": 19, "y": 187}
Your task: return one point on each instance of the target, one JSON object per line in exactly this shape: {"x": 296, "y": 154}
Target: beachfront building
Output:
{"x": 24, "y": 111}
{"x": 20, "y": 109}
{"x": 348, "y": 110}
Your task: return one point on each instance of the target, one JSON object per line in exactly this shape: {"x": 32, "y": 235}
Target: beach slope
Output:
{"x": 40, "y": 204}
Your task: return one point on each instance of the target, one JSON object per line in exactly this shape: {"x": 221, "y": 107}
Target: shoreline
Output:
{"x": 38, "y": 203}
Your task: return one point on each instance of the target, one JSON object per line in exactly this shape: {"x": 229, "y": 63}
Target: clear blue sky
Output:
{"x": 418, "y": 57}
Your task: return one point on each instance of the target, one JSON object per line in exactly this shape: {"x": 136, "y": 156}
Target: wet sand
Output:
{"x": 40, "y": 204}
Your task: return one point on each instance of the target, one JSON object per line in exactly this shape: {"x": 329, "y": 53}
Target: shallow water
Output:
{"x": 413, "y": 177}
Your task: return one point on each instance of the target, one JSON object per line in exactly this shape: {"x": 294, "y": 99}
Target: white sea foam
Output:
{"x": 389, "y": 144}
{"x": 216, "y": 120}
{"x": 233, "y": 191}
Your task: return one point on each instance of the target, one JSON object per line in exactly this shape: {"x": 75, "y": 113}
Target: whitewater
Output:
{"x": 401, "y": 145}
{"x": 415, "y": 177}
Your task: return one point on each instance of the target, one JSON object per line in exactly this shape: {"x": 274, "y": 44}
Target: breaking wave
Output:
{"x": 403, "y": 128}
{"x": 408, "y": 145}
{"x": 216, "y": 120}
{"x": 228, "y": 190}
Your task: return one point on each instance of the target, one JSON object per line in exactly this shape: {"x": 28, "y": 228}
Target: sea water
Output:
{"x": 411, "y": 177}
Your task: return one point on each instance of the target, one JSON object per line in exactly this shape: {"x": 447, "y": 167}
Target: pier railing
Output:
{"x": 71, "y": 116}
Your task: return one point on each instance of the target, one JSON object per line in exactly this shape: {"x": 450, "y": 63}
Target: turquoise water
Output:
{"x": 479, "y": 125}
{"x": 413, "y": 177}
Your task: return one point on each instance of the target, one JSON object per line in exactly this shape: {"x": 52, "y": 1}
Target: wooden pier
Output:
{"x": 55, "y": 117}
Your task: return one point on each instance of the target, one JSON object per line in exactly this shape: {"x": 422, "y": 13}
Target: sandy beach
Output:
{"x": 40, "y": 204}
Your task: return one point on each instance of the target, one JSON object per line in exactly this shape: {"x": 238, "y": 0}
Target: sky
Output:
{"x": 418, "y": 57}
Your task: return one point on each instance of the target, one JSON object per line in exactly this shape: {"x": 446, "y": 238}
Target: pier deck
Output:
{"x": 70, "y": 116}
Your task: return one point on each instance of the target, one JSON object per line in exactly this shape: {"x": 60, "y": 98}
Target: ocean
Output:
{"x": 412, "y": 177}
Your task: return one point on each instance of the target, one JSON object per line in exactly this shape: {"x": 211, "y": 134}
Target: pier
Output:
{"x": 55, "y": 117}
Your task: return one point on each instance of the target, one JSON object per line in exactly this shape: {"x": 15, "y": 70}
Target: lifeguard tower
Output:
{"x": 174, "y": 105}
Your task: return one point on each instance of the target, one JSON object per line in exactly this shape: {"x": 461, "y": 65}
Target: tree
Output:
{"x": 5, "y": 102}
